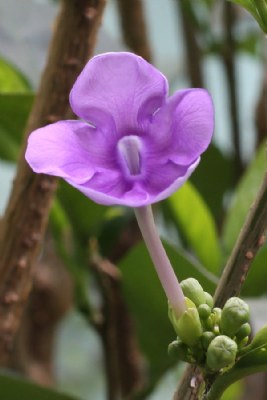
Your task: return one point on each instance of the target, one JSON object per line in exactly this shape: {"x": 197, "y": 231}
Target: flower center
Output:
{"x": 129, "y": 150}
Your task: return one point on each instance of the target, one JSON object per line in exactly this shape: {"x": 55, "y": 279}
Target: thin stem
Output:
{"x": 168, "y": 279}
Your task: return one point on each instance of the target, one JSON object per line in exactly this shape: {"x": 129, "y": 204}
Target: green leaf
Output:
{"x": 211, "y": 185}
{"x": 243, "y": 198}
{"x": 255, "y": 283}
{"x": 12, "y": 387}
{"x": 256, "y": 10}
{"x": 14, "y": 112}
{"x": 11, "y": 79}
{"x": 65, "y": 244}
{"x": 146, "y": 299}
{"x": 195, "y": 222}
{"x": 84, "y": 215}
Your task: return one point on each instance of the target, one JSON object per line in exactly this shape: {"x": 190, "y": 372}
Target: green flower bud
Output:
{"x": 216, "y": 315}
{"x": 206, "y": 338}
{"x": 173, "y": 318}
{"x": 178, "y": 350}
{"x": 204, "y": 311}
{"x": 260, "y": 339}
{"x": 243, "y": 342}
{"x": 221, "y": 353}
{"x": 209, "y": 299}
{"x": 244, "y": 331}
{"x": 188, "y": 326}
{"x": 193, "y": 290}
{"x": 235, "y": 313}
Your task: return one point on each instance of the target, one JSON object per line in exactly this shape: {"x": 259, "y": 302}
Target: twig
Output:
{"x": 35, "y": 341}
{"x": 116, "y": 330}
{"x": 193, "y": 51}
{"x": 261, "y": 109}
{"x": 251, "y": 238}
{"x": 229, "y": 64}
{"x": 26, "y": 216}
{"x": 134, "y": 27}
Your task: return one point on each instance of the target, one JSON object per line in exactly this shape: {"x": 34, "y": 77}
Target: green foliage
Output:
{"x": 194, "y": 222}
{"x": 243, "y": 197}
{"x": 206, "y": 181}
{"x": 13, "y": 387}
{"x": 85, "y": 216}
{"x": 15, "y": 104}
{"x": 11, "y": 79}
{"x": 15, "y": 108}
{"x": 257, "y": 8}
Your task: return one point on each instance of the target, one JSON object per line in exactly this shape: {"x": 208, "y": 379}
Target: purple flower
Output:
{"x": 132, "y": 145}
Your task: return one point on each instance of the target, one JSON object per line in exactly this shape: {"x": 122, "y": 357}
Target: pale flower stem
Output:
{"x": 168, "y": 279}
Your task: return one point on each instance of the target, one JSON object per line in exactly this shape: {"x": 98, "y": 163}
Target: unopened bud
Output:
{"x": 221, "y": 353}
{"x": 235, "y": 313}
{"x": 188, "y": 326}
{"x": 260, "y": 339}
{"x": 209, "y": 299}
{"x": 193, "y": 290}
{"x": 206, "y": 338}
{"x": 204, "y": 311}
{"x": 244, "y": 331}
{"x": 178, "y": 351}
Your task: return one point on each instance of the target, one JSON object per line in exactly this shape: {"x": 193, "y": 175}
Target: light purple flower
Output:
{"x": 132, "y": 145}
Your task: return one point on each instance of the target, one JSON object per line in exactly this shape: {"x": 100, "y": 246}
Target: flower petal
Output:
{"x": 171, "y": 178}
{"x": 184, "y": 126}
{"x": 118, "y": 86}
{"x": 69, "y": 149}
{"x": 109, "y": 188}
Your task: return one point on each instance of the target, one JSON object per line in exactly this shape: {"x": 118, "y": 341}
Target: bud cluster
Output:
{"x": 206, "y": 335}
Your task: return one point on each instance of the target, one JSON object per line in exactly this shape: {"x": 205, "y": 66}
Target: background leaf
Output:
{"x": 196, "y": 224}
{"x": 243, "y": 198}
{"x": 14, "y": 112}
{"x": 13, "y": 387}
{"x": 11, "y": 79}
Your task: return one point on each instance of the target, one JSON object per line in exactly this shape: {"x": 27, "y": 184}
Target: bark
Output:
{"x": 133, "y": 26}
{"x": 115, "y": 326}
{"x": 228, "y": 55}
{"x": 193, "y": 50}
{"x": 26, "y": 216}
{"x": 35, "y": 341}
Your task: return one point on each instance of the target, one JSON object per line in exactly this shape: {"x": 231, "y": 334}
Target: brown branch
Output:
{"x": 228, "y": 55}
{"x": 26, "y": 216}
{"x": 261, "y": 111}
{"x": 193, "y": 51}
{"x": 48, "y": 303}
{"x": 134, "y": 27}
{"x": 251, "y": 238}
{"x": 115, "y": 326}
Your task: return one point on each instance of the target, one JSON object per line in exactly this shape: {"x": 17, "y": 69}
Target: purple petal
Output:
{"x": 183, "y": 128}
{"x": 70, "y": 149}
{"x": 109, "y": 188}
{"x": 165, "y": 181}
{"x": 121, "y": 87}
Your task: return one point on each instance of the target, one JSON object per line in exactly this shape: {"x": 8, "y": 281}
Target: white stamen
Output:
{"x": 129, "y": 149}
